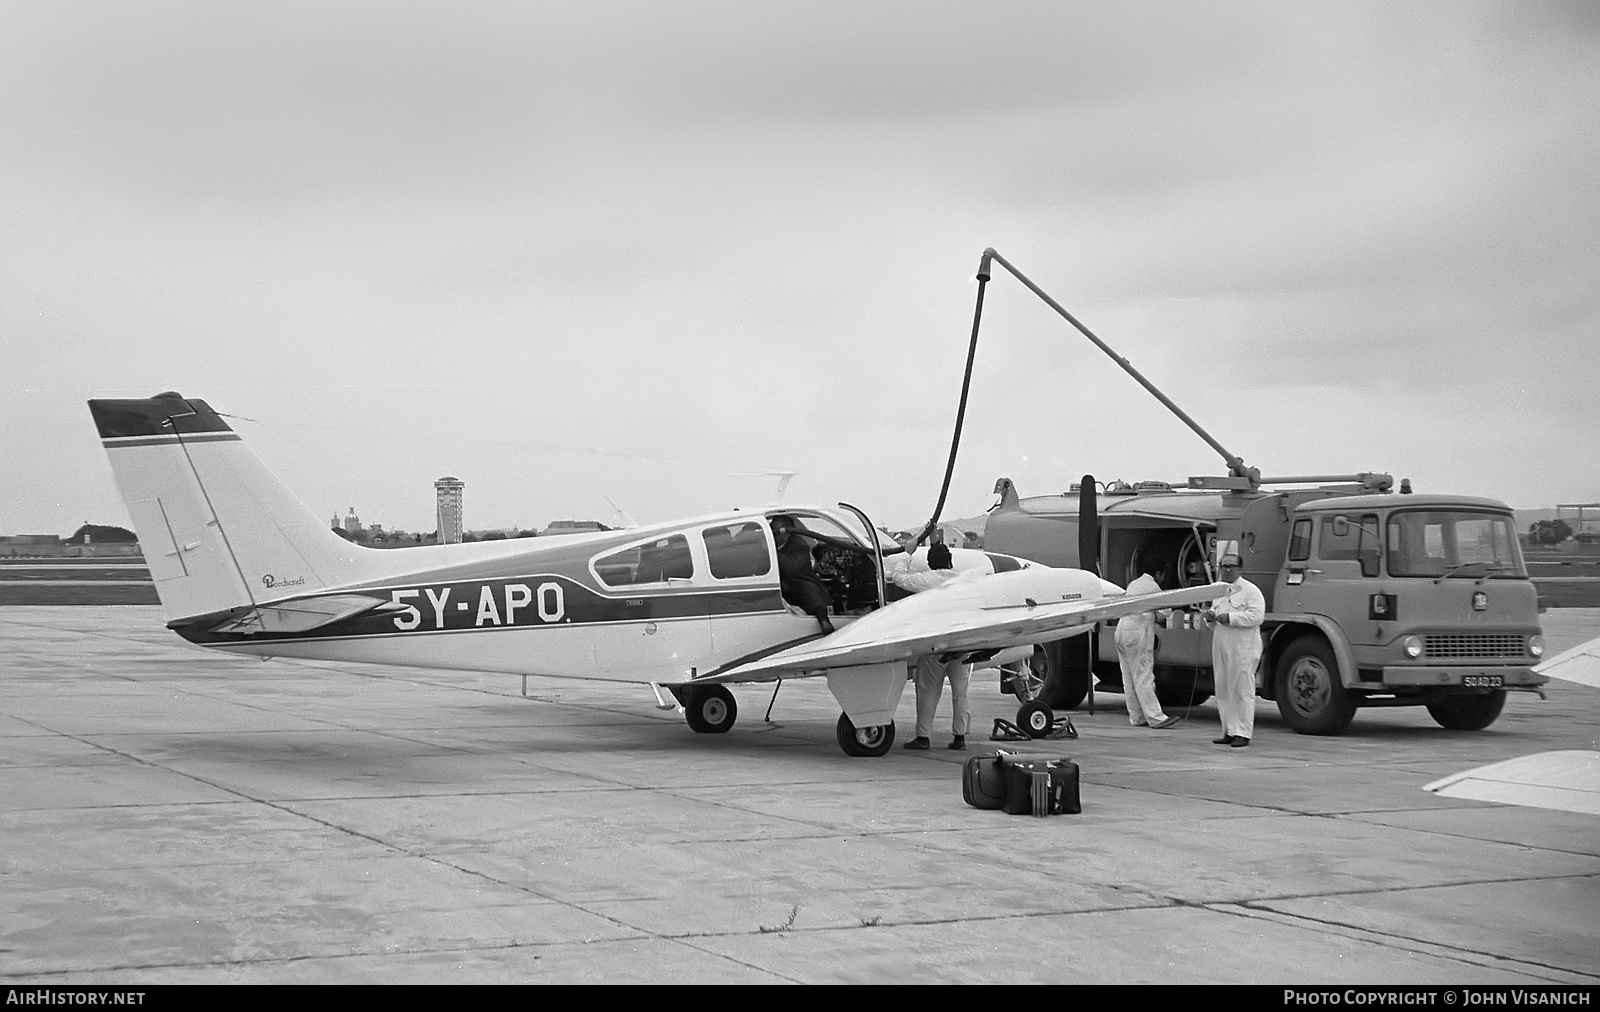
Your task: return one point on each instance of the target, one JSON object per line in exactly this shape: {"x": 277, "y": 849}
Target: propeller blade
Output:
{"x": 1088, "y": 527}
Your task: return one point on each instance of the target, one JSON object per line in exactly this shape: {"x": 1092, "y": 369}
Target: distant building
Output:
{"x": 447, "y": 492}
{"x": 36, "y": 545}
{"x": 100, "y": 534}
{"x": 352, "y": 523}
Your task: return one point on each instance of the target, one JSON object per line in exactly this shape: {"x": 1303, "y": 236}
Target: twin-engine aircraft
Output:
{"x": 687, "y": 607}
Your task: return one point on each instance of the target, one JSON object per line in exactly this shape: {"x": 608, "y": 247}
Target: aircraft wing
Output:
{"x": 897, "y": 633}
{"x": 1580, "y": 664}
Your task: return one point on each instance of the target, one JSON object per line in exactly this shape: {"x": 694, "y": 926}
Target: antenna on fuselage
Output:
{"x": 784, "y": 477}
{"x": 622, "y": 514}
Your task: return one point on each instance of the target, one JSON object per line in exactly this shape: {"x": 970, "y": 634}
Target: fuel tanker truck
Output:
{"x": 1374, "y": 596}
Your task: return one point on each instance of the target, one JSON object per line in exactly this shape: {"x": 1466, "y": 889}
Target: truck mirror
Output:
{"x": 1341, "y": 527}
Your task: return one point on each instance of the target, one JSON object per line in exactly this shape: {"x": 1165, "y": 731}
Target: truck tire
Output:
{"x": 1467, "y": 713}
{"x": 1311, "y": 697}
{"x": 1179, "y": 687}
{"x": 1064, "y": 685}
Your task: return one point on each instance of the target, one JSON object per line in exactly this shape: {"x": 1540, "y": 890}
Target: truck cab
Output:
{"x": 1430, "y": 596}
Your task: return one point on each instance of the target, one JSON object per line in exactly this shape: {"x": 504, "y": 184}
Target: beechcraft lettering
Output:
{"x": 685, "y": 608}
{"x": 506, "y": 604}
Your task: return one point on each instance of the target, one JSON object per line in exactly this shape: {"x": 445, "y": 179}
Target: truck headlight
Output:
{"x": 1412, "y": 646}
{"x": 1536, "y": 646}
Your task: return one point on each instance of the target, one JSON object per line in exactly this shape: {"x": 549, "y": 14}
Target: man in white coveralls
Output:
{"x": 1136, "y": 653}
{"x": 1235, "y": 652}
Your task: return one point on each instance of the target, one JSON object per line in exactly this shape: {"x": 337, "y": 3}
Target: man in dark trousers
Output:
{"x": 932, "y": 671}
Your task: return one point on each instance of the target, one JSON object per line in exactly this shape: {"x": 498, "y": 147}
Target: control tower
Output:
{"x": 447, "y": 493}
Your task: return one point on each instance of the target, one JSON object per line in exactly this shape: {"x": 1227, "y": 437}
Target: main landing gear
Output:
{"x": 711, "y": 709}
{"x": 863, "y": 741}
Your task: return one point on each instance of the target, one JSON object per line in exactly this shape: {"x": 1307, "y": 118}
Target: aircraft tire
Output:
{"x": 1467, "y": 713}
{"x": 863, "y": 742}
{"x": 710, "y": 709}
{"x": 1310, "y": 695}
{"x": 1036, "y": 719}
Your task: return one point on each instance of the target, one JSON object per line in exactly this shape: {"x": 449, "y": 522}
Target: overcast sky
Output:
{"x": 640, "y": 250}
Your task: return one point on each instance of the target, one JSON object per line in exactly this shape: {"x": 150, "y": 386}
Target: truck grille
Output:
{"x": 1456, "y": 645}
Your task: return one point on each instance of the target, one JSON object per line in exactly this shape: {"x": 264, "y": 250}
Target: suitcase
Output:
{"x": 1041, "y": 786}
{"x": 983, "y": 781}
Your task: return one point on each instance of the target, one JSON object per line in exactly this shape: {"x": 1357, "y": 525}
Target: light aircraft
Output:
{"x": 685, "y": 607}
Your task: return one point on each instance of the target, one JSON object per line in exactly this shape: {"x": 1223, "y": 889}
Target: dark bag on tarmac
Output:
{"x": 1041, "y": 786}
{"x": 983, "y": 781}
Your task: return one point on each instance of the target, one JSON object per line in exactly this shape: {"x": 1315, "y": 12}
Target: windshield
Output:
{"x": 1456, "y": 543}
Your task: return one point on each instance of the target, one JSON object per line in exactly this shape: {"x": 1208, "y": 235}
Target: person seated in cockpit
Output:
{"x": 797, "y": 575}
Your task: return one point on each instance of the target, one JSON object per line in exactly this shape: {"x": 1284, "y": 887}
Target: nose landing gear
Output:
{"x": 1035, "y": 718}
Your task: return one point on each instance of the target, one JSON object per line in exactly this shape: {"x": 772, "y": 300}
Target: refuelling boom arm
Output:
{"x": 1240, "y": 476}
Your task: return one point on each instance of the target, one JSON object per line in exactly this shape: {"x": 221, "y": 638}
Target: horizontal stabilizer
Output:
{"x": 302, "y": 615}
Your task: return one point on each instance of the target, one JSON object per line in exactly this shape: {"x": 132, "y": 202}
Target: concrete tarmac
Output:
{"x": 171, "y": 815}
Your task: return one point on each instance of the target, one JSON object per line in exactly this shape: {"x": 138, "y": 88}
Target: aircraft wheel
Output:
{"x": 863, "y": 741}
{"x": 1035, "y": 719}
{"x": 1467, "y": 713}
{"x": 710, "y": 709}
{"x": 1310, "y": 695}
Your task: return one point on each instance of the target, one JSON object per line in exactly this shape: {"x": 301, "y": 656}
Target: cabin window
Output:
{"x": 1300, "y": 541}
{"x": 1348, "y": 537}
{"x": 737, "y": 550}
{"x": 652, "y": 562}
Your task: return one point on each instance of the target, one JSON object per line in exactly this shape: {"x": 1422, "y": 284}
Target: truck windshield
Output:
{"x": 1463, "y": 544}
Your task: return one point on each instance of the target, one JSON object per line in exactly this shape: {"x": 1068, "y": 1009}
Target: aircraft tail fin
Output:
{"x": 1007, "y": 491}
{"x": 218, "y": 530}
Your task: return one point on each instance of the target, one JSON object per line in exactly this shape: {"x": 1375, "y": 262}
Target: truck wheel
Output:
{"x": 1467, "y": 713}
{"x": 1178, "y": 687}
{"x": 1064, "y": 686}
{"x": 1310, "y": 695}
{"x": 710, "y": 709}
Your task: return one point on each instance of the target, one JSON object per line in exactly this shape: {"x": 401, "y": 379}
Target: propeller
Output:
{"x": 1089, "y": 559}
{"x": 1088, "y": 526}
